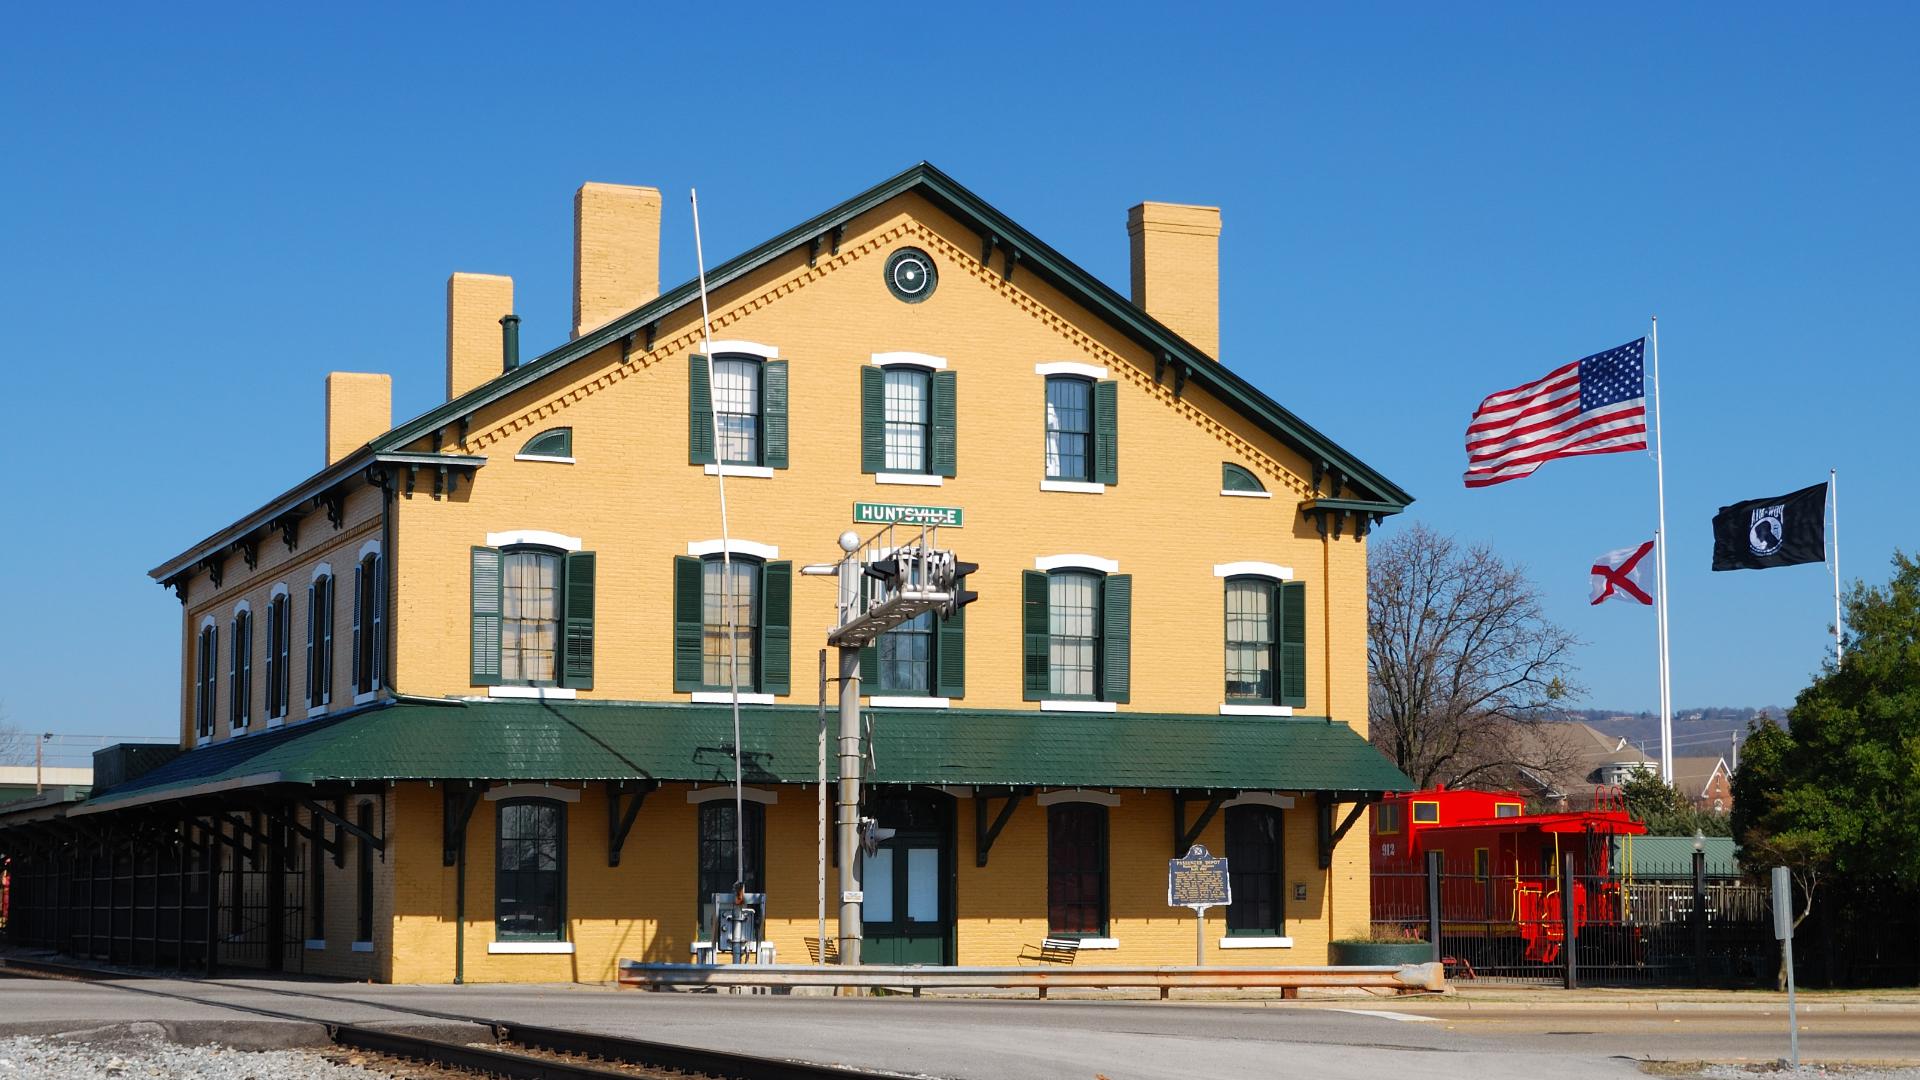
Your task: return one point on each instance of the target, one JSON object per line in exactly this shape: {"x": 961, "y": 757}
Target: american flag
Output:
{"x": 1593, "y": 406}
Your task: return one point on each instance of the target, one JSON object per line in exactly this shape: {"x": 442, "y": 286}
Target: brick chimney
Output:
{"x": 1176, "y": 268}
{"x": 475, "y": 304}
{"x": 359, "y": 407}
{"x": 616, "y": 252}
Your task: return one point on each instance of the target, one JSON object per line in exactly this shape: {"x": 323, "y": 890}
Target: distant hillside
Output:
{"x": 1696, "y": 732}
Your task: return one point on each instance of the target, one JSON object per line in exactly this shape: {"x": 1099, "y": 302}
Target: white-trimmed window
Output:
{"x": 320, "y": 640}
{"x": 240, "y": 670}
{"x": 279, "y": 631}
{"x": 206, "y": 687}
{"x": 369, "y": 622}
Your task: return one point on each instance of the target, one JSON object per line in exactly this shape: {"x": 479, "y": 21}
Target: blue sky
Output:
{"x": 205, "y": 209}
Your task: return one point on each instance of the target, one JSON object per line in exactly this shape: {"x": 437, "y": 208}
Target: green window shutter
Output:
{"x": 486, "y": 617}
{"x": 1116, "y": 633}
{"x": 576, "y": 608}
{"x": 1293, "y": 644}
{"x": 870, "y": 668}
{"x": 1106, "y": 432}
{"x": 1034, "y": 633}
{"x": 945, "y": 424}
{"x": 699, "y": 412}
{"x": 773, "y": 413}
{"x": 776, "y": 628}
{"x": 687, "y": 622}
{"x": 873, "y": 419}
{"x": 950, "y": 653}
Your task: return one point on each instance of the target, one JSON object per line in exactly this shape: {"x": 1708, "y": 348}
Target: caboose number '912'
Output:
{"x": 1501, "y": 870}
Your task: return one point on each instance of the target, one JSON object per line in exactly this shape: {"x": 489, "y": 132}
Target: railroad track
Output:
{"x": 557, "y": 1054}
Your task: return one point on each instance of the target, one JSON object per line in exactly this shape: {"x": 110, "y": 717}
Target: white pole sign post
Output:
{"x": 1199, "y": 880}
{"x": 1783, "y": 930}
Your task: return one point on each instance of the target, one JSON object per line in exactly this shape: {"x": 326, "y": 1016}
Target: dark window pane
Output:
{"x": 906, "y": 656}
{"x": 1076, "y": 869}
{"x": 1254, "y": 862}
{"x": 717, "y": 864}
{"x": 529, "y": 875}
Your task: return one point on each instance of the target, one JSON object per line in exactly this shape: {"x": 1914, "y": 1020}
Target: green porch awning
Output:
{"x": 578, "y": 740}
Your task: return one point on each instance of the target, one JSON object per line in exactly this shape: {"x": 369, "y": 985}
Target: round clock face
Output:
{"x": 910, "y": 275}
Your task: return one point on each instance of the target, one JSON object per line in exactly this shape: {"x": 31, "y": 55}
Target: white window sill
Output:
{"x": 201, "y": 740}
{"x": 762, "y": 472}
{"x": 563, "y": 948}
{"x": 315, "y": 712}
{"x": 367, "y": 698}
{"x": 1246, "y": 494}
{"x": 1080, "y": 486}
{"x": 363, "y": 946}
{"x": 537, "y": 693}
{"x": 910, "y": 479}
{"x": 316, "y": 945}
{"x": 722, "y": 697}
{"x": 1256, "y": 710}
{"x": 1099, "y": 943}
{"x": 543, "y": 457}
{"x": 882, "y": 701}
{"x": 1079, "y": 706}
{"x": 1256, "y": 943}
{"x": 275, "y": 721}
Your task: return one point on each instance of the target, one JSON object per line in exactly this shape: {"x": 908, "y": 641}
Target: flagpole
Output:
{"x": 1833, "y": 496}
{"x": 1660, "y": 562}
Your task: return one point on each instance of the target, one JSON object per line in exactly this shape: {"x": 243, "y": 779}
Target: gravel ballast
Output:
{"x": 144, "y": 1055}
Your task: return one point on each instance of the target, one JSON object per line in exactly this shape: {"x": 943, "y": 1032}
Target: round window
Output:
{"x": 910, "y": 275}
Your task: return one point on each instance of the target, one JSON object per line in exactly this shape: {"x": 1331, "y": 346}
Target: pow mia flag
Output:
{"x": 1762, "y": 533}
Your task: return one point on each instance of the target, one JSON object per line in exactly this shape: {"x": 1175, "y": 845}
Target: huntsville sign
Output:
{"x": 866, "y": 513}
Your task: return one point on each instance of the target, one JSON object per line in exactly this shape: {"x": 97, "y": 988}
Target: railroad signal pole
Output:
{"x": 891, "y": 577}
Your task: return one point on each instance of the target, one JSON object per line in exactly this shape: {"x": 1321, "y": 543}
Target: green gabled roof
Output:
{"x": 578, "y": 740}
{"x": 1034, "y": 257}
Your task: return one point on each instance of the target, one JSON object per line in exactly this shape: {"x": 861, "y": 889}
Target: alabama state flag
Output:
{"x": 1624, "y": 574}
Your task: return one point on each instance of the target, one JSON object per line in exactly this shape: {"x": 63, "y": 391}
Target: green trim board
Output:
{"x": 581, "y": 740}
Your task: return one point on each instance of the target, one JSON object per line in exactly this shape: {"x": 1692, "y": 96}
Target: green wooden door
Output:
{"x": 908, "y": 882}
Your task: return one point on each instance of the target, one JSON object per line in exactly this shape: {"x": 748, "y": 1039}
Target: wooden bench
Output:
{"x": 813, "y": 950}
{"x": 1051, "y": 950}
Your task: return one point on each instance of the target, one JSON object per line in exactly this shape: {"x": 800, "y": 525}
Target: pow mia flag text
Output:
{"x": 1781, "y": 531}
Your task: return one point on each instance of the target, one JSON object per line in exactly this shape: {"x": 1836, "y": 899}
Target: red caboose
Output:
{"x": 1500, "y": 865}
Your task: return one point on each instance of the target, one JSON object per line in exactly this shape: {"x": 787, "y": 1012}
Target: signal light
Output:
{"x": 886, "y": 570}
{"x": 962, "y": 596}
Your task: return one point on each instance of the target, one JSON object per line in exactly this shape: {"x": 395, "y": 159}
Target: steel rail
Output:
{"x": 1425, "y": 977}
{"x": 698, "y": 1061}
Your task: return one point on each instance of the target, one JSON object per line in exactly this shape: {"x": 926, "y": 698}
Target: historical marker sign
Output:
{"x": 1198, "y": 880}
{"x": 947, "y": 517}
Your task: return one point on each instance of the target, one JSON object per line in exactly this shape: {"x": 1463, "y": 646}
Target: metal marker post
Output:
{"x": 847, "y": 819}
{"x": 1200, "y": 936}
{"x": 1783, "y": 929}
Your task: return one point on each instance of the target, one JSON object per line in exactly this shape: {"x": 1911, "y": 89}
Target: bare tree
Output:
{"x": 1460, "y": 660}
{"x": 16, "y": 748}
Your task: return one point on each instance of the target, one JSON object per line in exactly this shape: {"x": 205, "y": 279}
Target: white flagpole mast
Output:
{"x": 726, "y": 573}
{"x": 1833, "y": 496}
{"x": 1660, "y": 563}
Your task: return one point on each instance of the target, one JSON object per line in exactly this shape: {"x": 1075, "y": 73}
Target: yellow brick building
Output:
{"x": 455, "y": 707}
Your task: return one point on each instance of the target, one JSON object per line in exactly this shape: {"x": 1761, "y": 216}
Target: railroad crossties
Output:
{"x": 456, "y": 707}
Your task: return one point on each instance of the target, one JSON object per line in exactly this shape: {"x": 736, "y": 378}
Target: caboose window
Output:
{"x": 1426, "y": 813}
{"x": 1386, "y": 818}
{"x": 1506, "y": 809}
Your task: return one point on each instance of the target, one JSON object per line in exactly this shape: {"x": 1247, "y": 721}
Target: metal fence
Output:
{"x": 1575, "y": 929}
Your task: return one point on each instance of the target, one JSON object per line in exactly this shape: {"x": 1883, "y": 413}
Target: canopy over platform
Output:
{"x": 573, "y": 740}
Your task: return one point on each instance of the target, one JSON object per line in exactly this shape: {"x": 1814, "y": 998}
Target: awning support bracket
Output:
{"x": 985, "y": 835}
{"x": 1330, "y": 837}
{"x": 1183, "y": 837}
{"x": 619, "y": 820}
{"x": 456, "y": 810}
{"x": 376, "y": 842}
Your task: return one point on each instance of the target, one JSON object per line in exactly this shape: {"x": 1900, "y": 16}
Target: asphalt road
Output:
{"x": 1026, "y": 1039}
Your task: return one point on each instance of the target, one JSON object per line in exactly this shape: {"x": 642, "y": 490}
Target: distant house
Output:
{"x": 1706, "y": 781}
{"x": 1576, "y": 763}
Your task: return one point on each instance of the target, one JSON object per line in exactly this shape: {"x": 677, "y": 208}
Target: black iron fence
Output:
{"x": 1576, "y": 929}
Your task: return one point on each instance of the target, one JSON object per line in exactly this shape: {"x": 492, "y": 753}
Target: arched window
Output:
{"x": 717, "y": 861}
{"x": 717, "y": 663}
{"x": 1251, "y": 640}
{"x": 279, "y": 625}
{"x": 320, "y": 642}
{"x": 529, "y": 616}
{"x": 1254, "y": 854}
{"x": 909, "y": 392}
{"x": 717, "y": 616}
{"x": 207, "y": 687}
{"x": 553, "y": 444}
{"x": 1073, "y": 629}
{"x": 240, "y": 671}
{"x": 369, "y": 623}
{"x": 1238, "y": 480}
{"x": 1069, "y": 428}
{"x": 736, "y": 410}
{"x": 1076, "y": 870}
{"x": 530, "y": 871}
